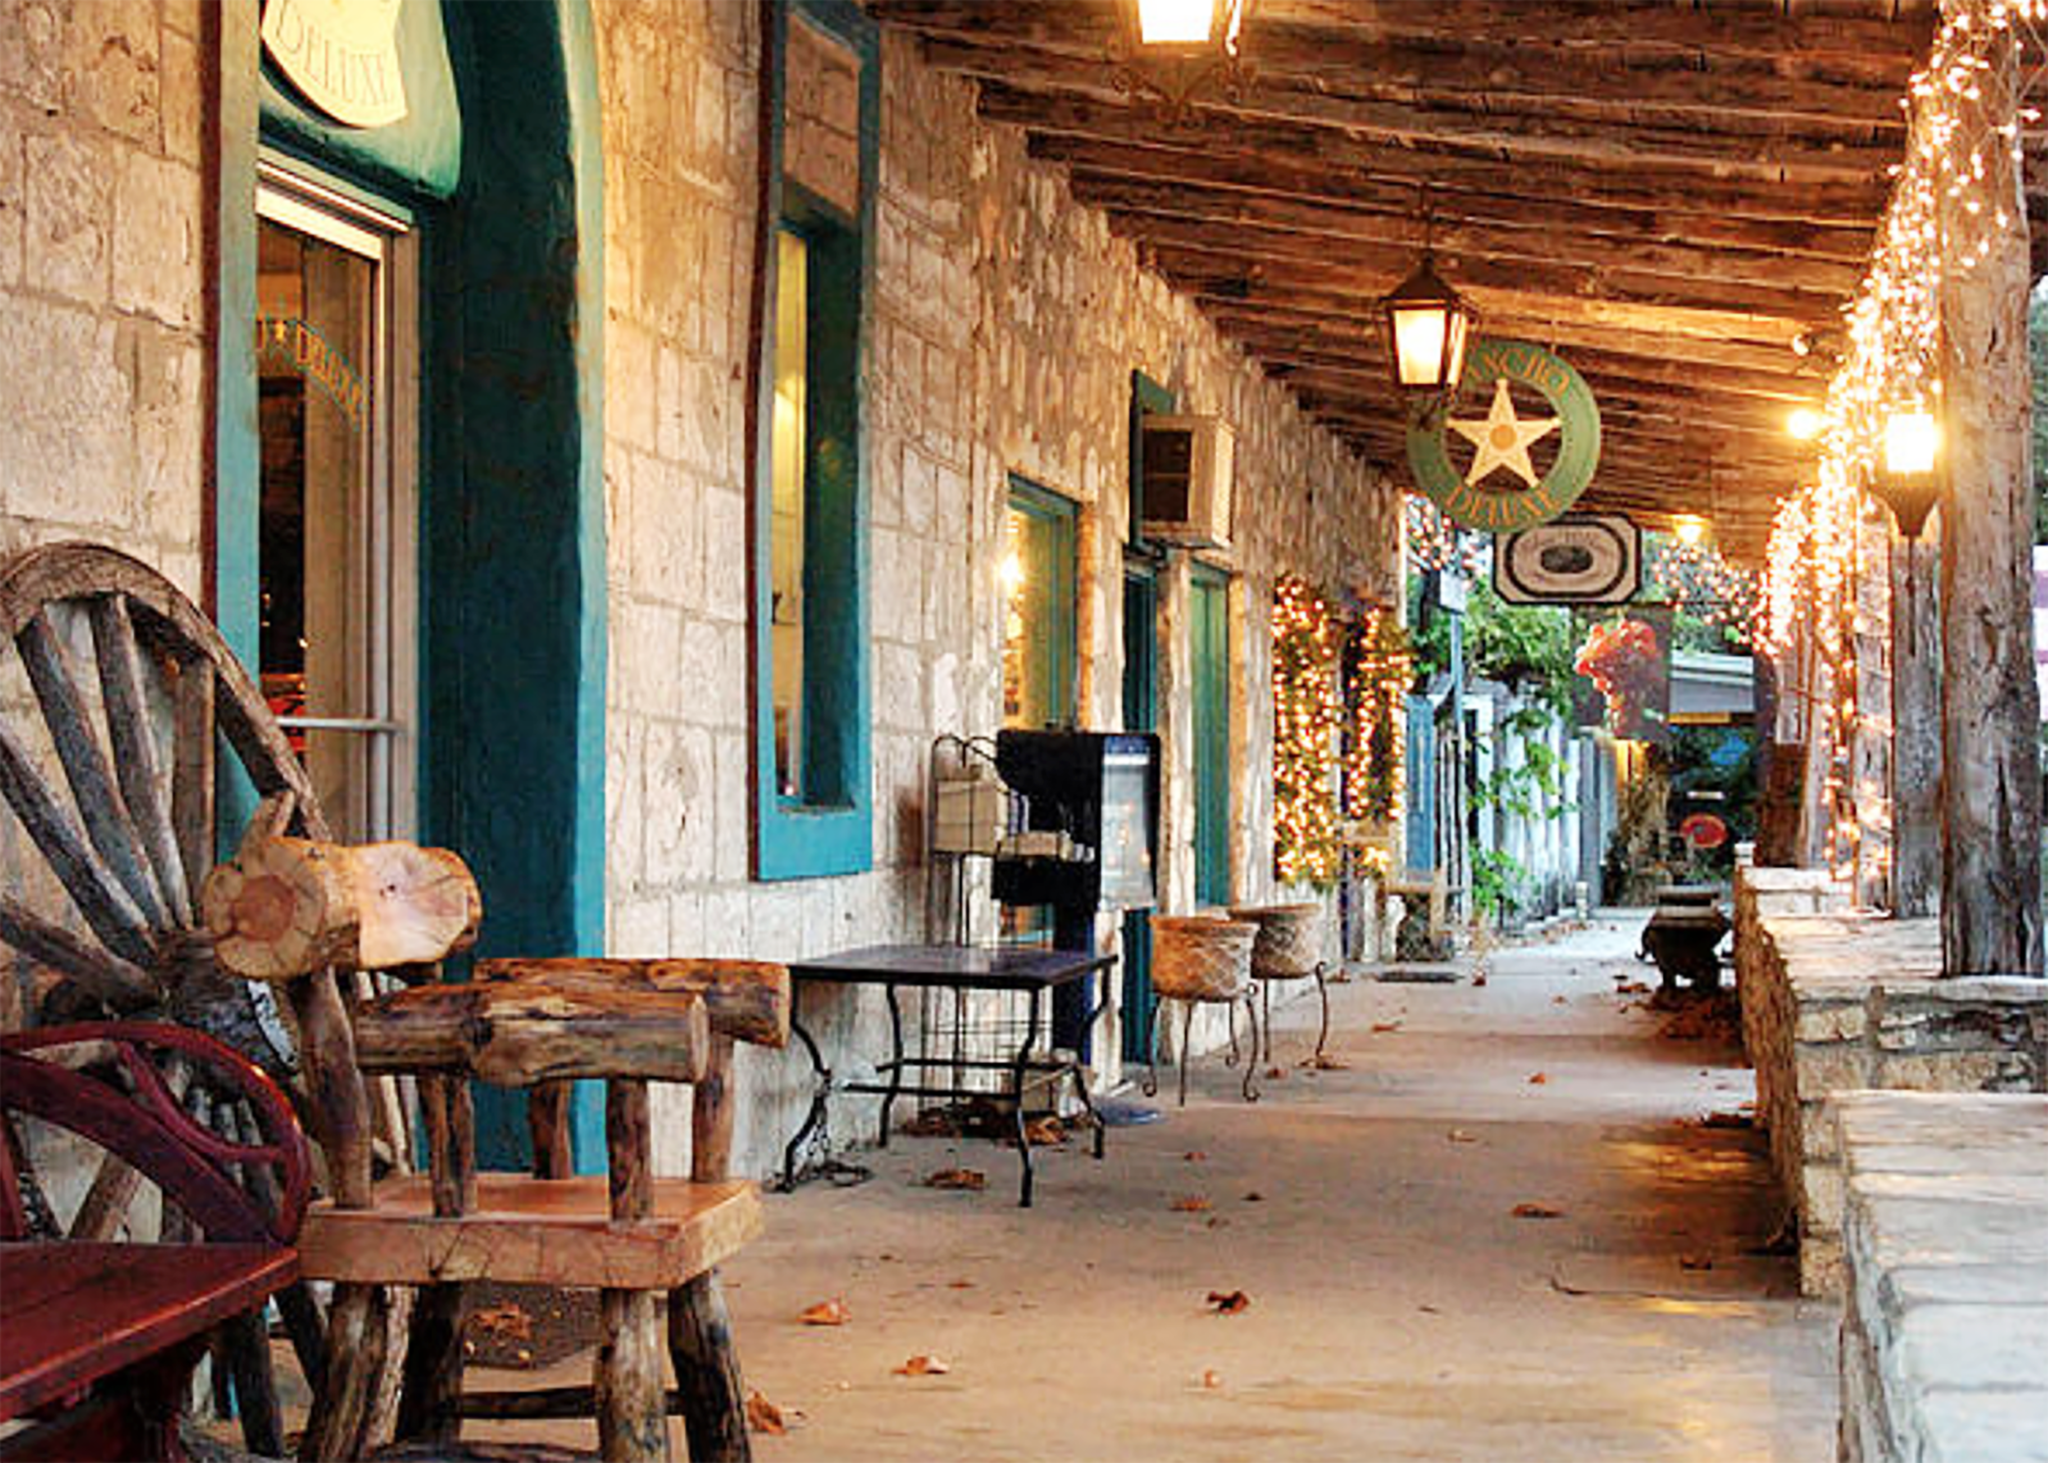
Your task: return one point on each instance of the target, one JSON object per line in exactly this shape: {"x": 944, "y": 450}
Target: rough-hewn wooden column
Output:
{"x": 1916, "y": 726}
{"x": 1991, "y": 796}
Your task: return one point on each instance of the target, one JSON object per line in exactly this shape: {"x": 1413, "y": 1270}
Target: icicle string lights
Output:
{"x": 1376, "y": 773}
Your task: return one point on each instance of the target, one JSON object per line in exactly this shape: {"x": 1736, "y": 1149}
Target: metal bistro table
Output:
{"x": 1033, "y": 971}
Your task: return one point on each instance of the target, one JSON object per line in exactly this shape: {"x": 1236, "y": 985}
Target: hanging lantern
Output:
{"x": 1194, "y": 25}
{"x": 1906, "y": 480}
{"x": 1428, "y": 324}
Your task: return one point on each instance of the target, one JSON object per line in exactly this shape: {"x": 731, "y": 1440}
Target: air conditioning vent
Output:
{"x": 1189, "y": 463}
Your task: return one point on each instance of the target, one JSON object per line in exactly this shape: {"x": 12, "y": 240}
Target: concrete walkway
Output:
{"x": 1398, "y": 1308}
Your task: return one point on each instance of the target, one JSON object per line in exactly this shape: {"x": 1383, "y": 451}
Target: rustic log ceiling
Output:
{"x": 1666, "y": 192}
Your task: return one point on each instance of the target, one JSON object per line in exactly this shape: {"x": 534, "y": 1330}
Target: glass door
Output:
{"x": 336, "y": 539}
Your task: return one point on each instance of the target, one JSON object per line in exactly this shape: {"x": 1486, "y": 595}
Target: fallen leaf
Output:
{"x": 1339, "y": 977}
{"x": 1254, "y": 1197}
{"x": 506, "y": 1322}
{"x": 924, "y": 1366}
{"x": 1632, "y": 988}
{"x": 1459, "y": 1135}
{"x": 1695, "y": 1262}
{"x": 958, "y": 1178}
{"x": 1327, "y": 1063}
{"x": 1538, "y": 1079}
{"x": 1276, "y": 1074}
{"x": 1229, "y": 1304}
{"x": 1045, "y": 1132}
{"x": 959, "y": 1285}
{"x": 1429, "y": 1310}
{"x": 1194, "y": 1155}
{"x": 1536, "y": 1211}
{"x": 831, "y": 1312}
{"x": 1479, "y": 979}
{"x": 1380, "y": 1027}
{"x": 1212, "y": 1379}
{"x": 1557, "y": 1000}
{"x": 764, "y": 1416}
{"x": 1191, "y": 1204}
{"x": 1217, "y": 1221}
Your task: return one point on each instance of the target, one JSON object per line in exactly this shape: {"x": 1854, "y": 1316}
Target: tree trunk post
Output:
{"x": 1916, "y": 728}
{"x": 1991, "y": 790}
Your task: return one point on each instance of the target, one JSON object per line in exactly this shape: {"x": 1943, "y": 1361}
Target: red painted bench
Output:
{"x": 98, "y": 1339}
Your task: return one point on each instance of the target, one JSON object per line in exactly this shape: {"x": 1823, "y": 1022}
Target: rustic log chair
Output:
{"x": 101, "y": 1338}
{"x": 124, "y": 718}
{"x": 112, "y": 914}
{"x": 284, "y": 906}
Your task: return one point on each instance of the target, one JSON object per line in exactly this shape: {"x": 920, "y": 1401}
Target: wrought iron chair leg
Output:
{"x": 1322, "y": 993}
{"x": 1159, "y": 1018}
{"x": 1187, "y": 1023}
{"x": 1266, "y": 999}
{"x": 1251, "y": 1068}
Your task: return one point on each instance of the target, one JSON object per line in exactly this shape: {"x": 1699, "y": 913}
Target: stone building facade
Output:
{"x": 1005, "y": 322}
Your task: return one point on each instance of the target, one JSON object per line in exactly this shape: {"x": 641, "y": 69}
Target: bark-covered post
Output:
{"x": 1991, "y": 790}
{"x": 1916, "y": 727}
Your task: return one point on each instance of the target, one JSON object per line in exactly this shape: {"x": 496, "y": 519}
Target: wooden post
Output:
{"x": 632, "y": 1422}
{"x": 709, "y": 1391}
{"x": 430, "y": 1403}
{"x": 1916, "y": 728}
{"x": 1991, "y": 797}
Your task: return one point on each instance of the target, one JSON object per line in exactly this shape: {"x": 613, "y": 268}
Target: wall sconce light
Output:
{"x": 1803, "y": 423}
{"x": 1906, "y": 480}
{"x": 1177, "y": 47}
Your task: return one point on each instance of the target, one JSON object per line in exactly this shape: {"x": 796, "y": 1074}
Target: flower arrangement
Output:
{"x": 1625, "y": 659}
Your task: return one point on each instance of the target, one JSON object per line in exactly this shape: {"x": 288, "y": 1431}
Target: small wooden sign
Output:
{"x": 341, "y": 54}
{"x": 1580, "y": 559}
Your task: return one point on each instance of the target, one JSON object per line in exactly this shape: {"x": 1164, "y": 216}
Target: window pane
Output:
{"x": 787, "y": 515}
{"x": 315, "y": 312}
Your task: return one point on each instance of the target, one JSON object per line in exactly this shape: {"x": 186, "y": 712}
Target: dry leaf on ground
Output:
{"x": 1044, "y": 1132}
{"x": 1380, "y": 1027}
{"x": 957, "y": 1178}
{"x": 506, "y": 1322}
{"x": 924, "y": 1366}
{"x": 1536, "y": 1211}
{"x": 1212, "y": 1379}
{"x": 1229, "y": 1303}
{"x": 1276, "y": 1074}
{"x": 1538, "y": 1079}
{"x": 764, "y": 1416}
{"x": 831, "y": 1312}
{"x": 959, "y": 1285}
{"x": 1695, "y": 1262}
{"x": 1459, "y": 1135}
{"x": 1191, "y": 1204}
{"x": 1254, "y": 1197}
{"x": 1479, "y": 979}
{"x": 1326, "y": 1063}
{"x": 1194, "y": 1155}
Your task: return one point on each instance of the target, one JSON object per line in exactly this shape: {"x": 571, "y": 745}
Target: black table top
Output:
{"x": 1019, "y": 968}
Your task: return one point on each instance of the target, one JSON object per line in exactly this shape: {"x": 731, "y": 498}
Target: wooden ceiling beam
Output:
{"x": 1457, "y": 243}
{"x": 1782, "y": 157}
{"x": 1586, "y": 181}
{"x": 1685, "y": 219}
{"x": 1234, "y": 259}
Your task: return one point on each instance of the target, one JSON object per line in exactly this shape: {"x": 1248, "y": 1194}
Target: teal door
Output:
{"x": 1209, "y": 656}
{"x": 1141, "y": 713}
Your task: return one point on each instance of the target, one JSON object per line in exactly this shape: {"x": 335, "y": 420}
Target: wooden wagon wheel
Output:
{"x": 113, "y": 772}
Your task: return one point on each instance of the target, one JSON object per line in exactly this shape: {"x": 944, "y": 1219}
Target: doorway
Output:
{"x": 337, "y": 363}
{"x": 1209, "y": 667}
{"x": 1141, "y": 714}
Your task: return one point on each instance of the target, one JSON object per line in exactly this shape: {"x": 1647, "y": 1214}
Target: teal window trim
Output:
{"x": 1057, "y": 640}
{"x": 803, "y": 839}
{"x": 1147, "y": 395}
{"x": 1209, "y": 624}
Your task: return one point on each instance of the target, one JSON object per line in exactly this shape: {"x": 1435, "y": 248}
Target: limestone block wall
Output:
{"x": 1836, "y": 1002}
{"x": 1945, "y": 1282}
{"x": 102, "y": 348}
{"x": 102, "y": 352}
{"x": 1007, "y": 322}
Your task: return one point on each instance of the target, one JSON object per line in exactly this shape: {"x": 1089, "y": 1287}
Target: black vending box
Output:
{"x": 1096, "y": 796}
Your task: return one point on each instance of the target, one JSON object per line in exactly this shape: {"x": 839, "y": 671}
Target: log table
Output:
{"x": 1028, "y": 971}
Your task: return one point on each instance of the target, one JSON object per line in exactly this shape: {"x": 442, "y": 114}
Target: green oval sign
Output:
{"x": 1499, "y": 491}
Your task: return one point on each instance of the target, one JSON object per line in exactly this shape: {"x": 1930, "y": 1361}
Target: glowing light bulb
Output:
{"x": 1804, "y": 423}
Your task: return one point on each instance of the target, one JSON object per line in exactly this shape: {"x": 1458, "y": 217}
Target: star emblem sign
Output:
{"x": 1502, "y": 439}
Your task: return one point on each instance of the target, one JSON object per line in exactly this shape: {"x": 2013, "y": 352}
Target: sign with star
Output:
{"x": 1500, "y": 489}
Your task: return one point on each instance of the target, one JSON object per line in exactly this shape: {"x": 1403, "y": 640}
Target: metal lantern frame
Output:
{"x": 1910, "y": 493}
{"x": 1422, "y": 292}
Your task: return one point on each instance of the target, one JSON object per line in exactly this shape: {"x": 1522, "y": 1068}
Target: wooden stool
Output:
{"x": 1198, "y": 959}
{"x": 1287, "y": 948}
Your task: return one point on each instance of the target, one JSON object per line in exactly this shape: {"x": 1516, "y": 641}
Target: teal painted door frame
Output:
{"x": 1209, "y": 665}
{"x": 512, "y": 586}
{"x": 1141, "y": 713}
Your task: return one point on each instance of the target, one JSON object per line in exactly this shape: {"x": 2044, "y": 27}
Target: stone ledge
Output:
{"x": 1945, "y": 1249}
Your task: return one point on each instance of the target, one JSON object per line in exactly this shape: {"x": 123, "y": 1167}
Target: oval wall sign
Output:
{"x": 1499, "y": 489}
{"x": 342, "y": 54}
{"x": 1581, "y": 558}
